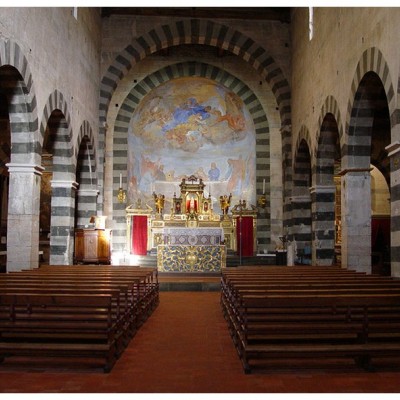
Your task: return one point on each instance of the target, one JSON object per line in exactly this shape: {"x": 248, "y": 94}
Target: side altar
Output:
{"x": 190, "y": 237}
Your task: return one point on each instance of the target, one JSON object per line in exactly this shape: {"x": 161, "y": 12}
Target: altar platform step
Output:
{"x": 200, "y": 281}
{"x": 189, "y": 282}
{"x": 232, "y": 260}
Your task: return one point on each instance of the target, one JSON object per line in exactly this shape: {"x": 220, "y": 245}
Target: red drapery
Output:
{"x": 139, "y": 235}
{"x": 380, "y": 226}
{"x": 244, "y": 236}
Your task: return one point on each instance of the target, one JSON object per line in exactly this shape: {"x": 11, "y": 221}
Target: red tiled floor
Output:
{"x": 185, "y": 347}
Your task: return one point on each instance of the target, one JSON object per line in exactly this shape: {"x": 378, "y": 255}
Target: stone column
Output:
{"x": 62, "y": 222}
{"x": 301, "y": 220}
{"x": 86, "y": 206}
{"x": 323, "y": 224}
{"x": 23, "y": 216}
{"x": 356, "y": 219}
{"x": 394, "y": 155}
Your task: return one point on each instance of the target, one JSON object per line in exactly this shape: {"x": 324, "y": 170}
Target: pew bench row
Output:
{"x": 304, "y": 318}
{"x": 89, "y": 312}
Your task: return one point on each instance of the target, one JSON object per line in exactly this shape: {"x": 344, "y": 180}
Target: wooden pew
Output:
{"x": 345, "y": 327}
{"x": 132, "y": 294}
{"x": 146, "y": 280}
{"x": 58, "y": 325}
{"x": 302, "y": 317}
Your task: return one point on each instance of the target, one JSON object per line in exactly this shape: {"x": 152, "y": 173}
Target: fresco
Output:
{"x": 191, "y": 126}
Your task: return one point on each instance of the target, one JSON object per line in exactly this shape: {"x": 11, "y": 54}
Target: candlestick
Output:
{"x": 120, "y": 180}
{"x": 263, "y": 186}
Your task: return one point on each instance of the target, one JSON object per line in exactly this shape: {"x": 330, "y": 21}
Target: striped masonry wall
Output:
{"x": 206, "y": 32}
{"x": 120, "y": 143}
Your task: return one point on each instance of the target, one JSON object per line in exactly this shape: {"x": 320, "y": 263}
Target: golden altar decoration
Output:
{"x": 183, "y": 258}
{"x": 204, "y": 238}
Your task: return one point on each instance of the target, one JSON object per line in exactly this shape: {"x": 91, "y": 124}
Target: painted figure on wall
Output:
{"x": 191, "y": 126}
{"x": 214, "y": 172}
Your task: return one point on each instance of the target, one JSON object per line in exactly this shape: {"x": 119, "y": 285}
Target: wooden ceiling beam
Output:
{"x": 281, "y": 14}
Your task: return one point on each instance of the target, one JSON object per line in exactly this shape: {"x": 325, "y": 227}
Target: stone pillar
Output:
{"x": 86, "y": 206}
{"x": 301, "y": 221}
{"x": 356, "y": 219}
{"x": 62, "y": 222}
{"x": 323, "y": 224}
{"x": 23, "y": 216}
{"x": 394, "y": 155}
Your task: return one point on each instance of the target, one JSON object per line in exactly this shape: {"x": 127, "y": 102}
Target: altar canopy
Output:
{"x": 206, "y": 236}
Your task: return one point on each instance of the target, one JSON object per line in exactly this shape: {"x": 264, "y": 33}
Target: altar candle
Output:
{"x": 120, "y": 180}
{"x": 263, "y": 186}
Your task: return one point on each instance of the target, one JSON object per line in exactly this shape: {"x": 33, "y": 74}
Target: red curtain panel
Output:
{"x": 139, "y": 235}
{"x": 380, "y": 226}
{"x": 244, "y": 236}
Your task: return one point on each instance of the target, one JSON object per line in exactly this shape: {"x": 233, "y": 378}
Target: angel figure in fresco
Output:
{"x": 233, "y": 115}
{"x": 159, "y": 201}
{"x": 225, "y": 202}
{"x": 236, "y": 174}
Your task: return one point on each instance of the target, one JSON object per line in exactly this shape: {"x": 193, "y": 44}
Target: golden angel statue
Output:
{"x": 159, "y": 201}
{"x": 225, "y": 203}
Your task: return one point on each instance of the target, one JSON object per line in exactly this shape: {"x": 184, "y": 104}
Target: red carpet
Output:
{"x": 185, "y": 347}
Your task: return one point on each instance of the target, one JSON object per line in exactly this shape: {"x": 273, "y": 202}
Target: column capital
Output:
{"x": 25, "y": 168}
{"x": 64, "y": 184}
{"x": 87, "y": 192}
{"x": 322, "y": 189}
{"x": 354, "y": 171}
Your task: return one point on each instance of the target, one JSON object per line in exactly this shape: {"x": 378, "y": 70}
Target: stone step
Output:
{"x": 231, "y": 260}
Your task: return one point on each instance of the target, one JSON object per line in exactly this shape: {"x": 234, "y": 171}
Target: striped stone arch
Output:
{"x": 17, "y": 85}
{"x": 323, "y": 190}
{"x": 63, "y": 160}
{"x": 23, "y": 116}
{"x": 372, "y": 60}
{"x": 330, "y": 106}
{"x": 356, "y": 156}
{"x": 194, "y": 31}
{"x": 63, "y": 181}
{"x": 329, "y": 123}
{"x": 85, "y": 159}
{"x": 141, "y": 89}
{"x": 304, "y": 134}
{"x": 85, "y": 130}
{"x": 301, "y": 200}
